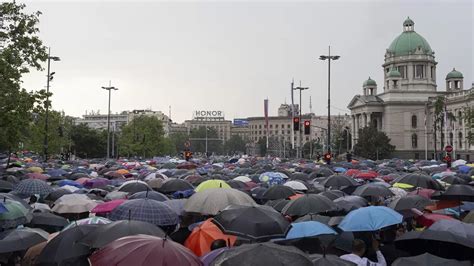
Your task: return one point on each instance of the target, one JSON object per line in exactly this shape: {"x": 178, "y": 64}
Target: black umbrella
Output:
{"x": 107, "y": 233}
{"x": 56, "y": 194}
{"x": 237, "y": 184}
{"x": 320, "y": 172}
{"x": 5, "y": 186}
{"x": 372, "y": 190}
{"x": 350, "y": 203}
{"x": 300, "y": 176}
{"x": 309, "y": 203}
{"x": 339, "y": 181}
{"x": 173, "y": 185}
{"x": 333, "y": 194}
{"x": 21, "y": 239}
{"x": 134, "y": 187}
{"x": 65, "y": 249}
{"x": 454, "y": 180}
{"x": 278, "y": 192}
{"x": 329, "y": 260}
{"x": 441, "y": 243}
{"x": 456, "y": 192}
{"x": 419, "y": 180}
{"x": 427, "y": 259}
{"x": 331, "y": 221}
{"x": 262, "y": 254}
{"x": 149, "y": 195}
{"x": 255, "y": 223}
{"x": 408, "y": 202}
{"x": 278, "y": 204}
{"x": 48, "y": 221}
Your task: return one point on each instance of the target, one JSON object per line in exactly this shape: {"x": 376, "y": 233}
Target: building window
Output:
{"x": 419, "y": 71}
{"x": 402, "y": 70}
{"x": 460, "y": 140}
{"x": 457, "y": 84}
{"x": 276, "y": 126}
{"x": 460, "y": 118}
{"x": 451, "y": 136}
{"x": 282, "y": 126}
{"x": 450, "y": 84}
{"x": 414, "y": 141}
{"x": 283, "y": 132}
{"x": 271, "y": 126}
{"x": 288, "y": 131}
{"x": 288, "y": 126}
{"x": 414, "y": 122}
{"x": 260, "y": 126}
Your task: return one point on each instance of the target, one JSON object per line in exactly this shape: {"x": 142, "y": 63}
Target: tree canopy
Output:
{"x": 373, "y": 144}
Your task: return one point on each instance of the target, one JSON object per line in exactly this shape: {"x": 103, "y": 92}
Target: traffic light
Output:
{"x": 327, "y": 158}
{"x": 307, "y": 127}
{"x": 296, "y": 123}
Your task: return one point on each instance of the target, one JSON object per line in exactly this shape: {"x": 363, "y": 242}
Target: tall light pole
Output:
{"x": 329, "y": 57}
{"x": 49, "y": 78}
{"x": 109, "y": 88}
{"x": 300, "y": 127}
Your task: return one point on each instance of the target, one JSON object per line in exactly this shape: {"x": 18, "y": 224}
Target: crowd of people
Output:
{"x": 235, "y": 211}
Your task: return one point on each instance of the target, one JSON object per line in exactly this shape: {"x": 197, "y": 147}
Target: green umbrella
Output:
{"x": 16, "y": 214}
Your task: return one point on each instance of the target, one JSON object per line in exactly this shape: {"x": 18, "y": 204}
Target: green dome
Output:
{"x": 369, "y": 82}
{"x": 409, "y": 41}
{"x": 454, "y": 74}
{"x": 394, "y": 73}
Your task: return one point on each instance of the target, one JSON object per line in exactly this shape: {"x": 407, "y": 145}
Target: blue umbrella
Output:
{"x": 63, "y": 183}
{"x": 308, "y": 229}
{"x": 273, "y": 178}
{"x": 340, "y": 170}
{"x": 3, "y": 209}
{"x": 464, "y": 169}
{"x": 370, "y": 219}
{"x": 57, "y": 172}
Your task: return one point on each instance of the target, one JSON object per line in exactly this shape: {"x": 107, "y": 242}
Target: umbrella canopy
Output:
{"x": 142, "y": 250}
{"x": 372, "y": 190}
{"x": 14, "y": 214}
{"x": 370, "y": 219}
{"x": 454, "y": 226}
{"x": 21, "y": 239}
{"x": 243, "y": 178}
{"x": 273, "y": 178}
{"x": 202, "y": 236}
{"x": 262, "y": 254}
{"x": 308, "y": 229}
{"x": 73, "y": 204}
{"x": 172, "y": 185}
{"x": 409, "y": 202}
{"x": 5, "y": 186}
{"x": 213, "y": 200}
{"x": 329, "y": 260}
{"x": 296, "y": 185}
{"x": 108, "y": 206}
{"x": 440, "y": 243}
{"x": 95, "y": 182}
{"x": 91, "y": 220}
{"x": 333, "y": 194}
{"x": 57, "y": 193}
{"x": 47, "y": 221}
{"x": 338, "y": 181}
{"x": 278, "y": 192}
{"x": 154, "y": 195}
{"x": 424, "y": 192}
{"x": 65, "y": 249}
{"x": 145, "y": 210}
{"x": 419, "y": 180}
{"x": 350, "y": 203}
{"x": 214, "y": 183}
{"x": 265, "y": 224}
{"x": 134, "y": 186}
{"x": 427, "y": 219}
{"x": 427, "y": 259}
{"x": 107, "y": 233}
{"x": 309, "y": 203}
{"x": 30, "y": 187}
{"x": 456, "y": 192}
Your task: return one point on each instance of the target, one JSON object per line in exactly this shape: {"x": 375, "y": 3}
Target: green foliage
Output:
{"x": 235, "y": 144}
{"x": 311, "y": 148}
{"x": 143, "y": 136}
{"x": 372, "y": 144}
{"x": 213, "y": 146}
{"x": 468, "y": 115}
{"x": 88, "y": 142}
{"x": 178, "y": 140}
{"x": 262, "y": 146}
{"x": 22, "y": 50}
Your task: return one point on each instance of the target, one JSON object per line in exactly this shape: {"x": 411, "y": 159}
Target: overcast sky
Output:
{"x": 230, "y": 56}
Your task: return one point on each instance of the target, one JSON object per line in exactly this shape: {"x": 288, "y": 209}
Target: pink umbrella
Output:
{"x": 427, "y": 219}
{"x": 424, "y": 192}
{"x": 108, "y": 206}
{"x": 37, "y": 176}
{"x": 82, "y": 180}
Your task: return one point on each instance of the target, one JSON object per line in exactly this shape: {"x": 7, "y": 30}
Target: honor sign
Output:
{"x": 208, "y": 114}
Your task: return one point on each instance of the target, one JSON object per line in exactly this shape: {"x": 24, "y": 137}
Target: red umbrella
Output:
{"x": 108, "y": 206}
{"x": 352, "y": 172}
{"x": 187, "y": 165}
{"x": 366, "y": 175}
{"x": 140, "y": 250}
{"x": 427, "y": 219}
{"x": 424, "y": 192}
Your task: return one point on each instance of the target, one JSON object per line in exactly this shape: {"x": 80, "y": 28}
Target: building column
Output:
{"x": 364, "y": 116}
{"x": 357, "y": 126}
{"x": 353, "y": 131}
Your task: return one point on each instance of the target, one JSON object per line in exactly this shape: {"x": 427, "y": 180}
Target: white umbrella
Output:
{"x": 132, "y": 181}
{"x": 243, "y": 178}
{"x": 70, "y": 188}
{"x": 398, "y": 192}
{"x": 295, "y": 185}
{"x": 72, "y": 197}
{"x": 458, "y": 163}
{"x": 213, "y": 200}
{"x": 73, "y": 205}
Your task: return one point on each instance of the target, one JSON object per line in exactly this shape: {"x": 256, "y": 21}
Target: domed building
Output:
{"x": 406, "y": 100}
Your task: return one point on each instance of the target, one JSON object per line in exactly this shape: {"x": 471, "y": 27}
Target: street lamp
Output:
{"x": 329, "y": 57}
{"x": 300, "y": 127}
{"x": 109, "y": 88}
{"x": 49, "y": 78}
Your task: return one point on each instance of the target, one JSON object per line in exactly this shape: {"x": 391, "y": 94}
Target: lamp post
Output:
{"x": 109, "y": 88}
{"x": 49, "y": 78}
{"x": 329, "y": 57}
{"x": 300, "y": 148}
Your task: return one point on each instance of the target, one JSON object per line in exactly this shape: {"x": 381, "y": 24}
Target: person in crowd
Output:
{"x": 358, "y": 251}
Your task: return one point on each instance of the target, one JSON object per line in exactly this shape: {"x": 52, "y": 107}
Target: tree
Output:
{"x": 178, "y": 140}
{"x": 468, "y": 115}
{"x": 22, "y": 50}
{"x": 88, "y": 142}
{"x": 373, "y": 144}
{"x": 143, "y": 136}
{"x": 235, "y": 144}
{"x": 198, "y": 140}
{"x": 311, "y": 148}
{"x": 262, "y": 146}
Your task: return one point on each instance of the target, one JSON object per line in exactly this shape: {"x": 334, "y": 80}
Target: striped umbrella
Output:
{"x": 146, "y": 210}
{"x": 29, "y": 187}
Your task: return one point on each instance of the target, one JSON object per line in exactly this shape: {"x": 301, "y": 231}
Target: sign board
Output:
{"x": 241, "y": 122}
{"x": 448, "y": 148}
{"x": 208, "y": 114}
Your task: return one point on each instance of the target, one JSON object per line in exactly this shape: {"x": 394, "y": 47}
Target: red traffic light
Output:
{"x": 296, "y": 123}
{"x": 307, "y": 127}
{"x": 307, "y": 123}
{"x": 327, "y": 156}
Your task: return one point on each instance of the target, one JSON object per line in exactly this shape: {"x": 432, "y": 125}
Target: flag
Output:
{"x": 265, "y": 110}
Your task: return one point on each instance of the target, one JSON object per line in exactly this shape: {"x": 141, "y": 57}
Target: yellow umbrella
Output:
{"x": 122, "y": 171}
{"x": 215, "y": 183}
{"x": 35, "y": 169}
{"x": 470, "y": 164}
{"x": 402, "y": 185}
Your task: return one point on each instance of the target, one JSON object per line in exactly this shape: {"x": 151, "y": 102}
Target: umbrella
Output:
{"x": 177, "y": 205}
{"x": 456, "y": 192}
{"x": 145, "y": 210}
{"x": 339, "y": 181}
{"x": 454, "y": 226}
{"x": 30, "y": 187}
{"x": 116, "y": 195}
{"x": 96, "y": 182}
{"x": 278, "y": 204}
{"x": 21, "y": 239}
{"x": 15, "y": 215}
{"x": 108, "y": 206}
{"x": 142, "y": 250}
{"x": 296, "y": 185}
{"x": 372, "y": 190}
{"x": 309, "y": 203}
{"x": 134, "y": 186}
{"x": 409, "y": 202}
{"x": 321, "y": 172}
{"x": 419, "y": 180}
{"x": 202, "y": 236}
{"x": 65, "y": 249}
{"x": 370, "y": 218}
{"x": 172, "y": 185}
{"x": 308, "y": 229}
{"x": 243, "y": 178}
{"x": 427, "y": 259}
{"x": 350, "y": 203}
{"x": 427, "y": 219}
{"x": 424, "y": 192}
{"x": 259, "y": 254}
{"x": 440, "y": 243}
{"x": 212, "y": 184}
{"x": 56, "y": 194}
{"x": 47, "y": 221}
{"x": 329, "y": 260}
{"x": 73, "y": 204}
{"x": 91, "y": 220}
{"x": 273, "y": 178}
{"x": 366, "y": 175}
{"x": 278, "y": 192}
{"x": 5, "y": 186}
{"x": 454, "y": 180}
{"x": 154, "y": 195}
{"x": 333, "y": 194}
{"x": 265, "y": 224}
{"x": 469, "y": 218}
{"x": 211, "y": 201}
{"x": 105, "y": 234}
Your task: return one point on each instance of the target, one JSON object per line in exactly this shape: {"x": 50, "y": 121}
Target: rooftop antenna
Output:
{"x": 310, "y": 106}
